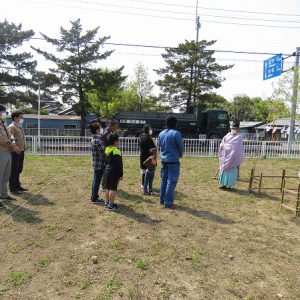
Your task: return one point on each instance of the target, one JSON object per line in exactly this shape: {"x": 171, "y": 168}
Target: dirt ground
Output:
{"x": 216, "y": 245}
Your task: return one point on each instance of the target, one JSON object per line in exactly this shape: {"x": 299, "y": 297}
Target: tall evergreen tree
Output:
{"x": 15, "y": 66}
{"x": 190, "y": 72}
{"x": 79, "y": 52}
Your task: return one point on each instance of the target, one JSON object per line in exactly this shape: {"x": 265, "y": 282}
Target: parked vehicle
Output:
{"x": 211, "y": 124}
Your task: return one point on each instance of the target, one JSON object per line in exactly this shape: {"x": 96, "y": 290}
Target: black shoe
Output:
{"x": 97, "y": 201}
{"x": 1, "y": 205}
{"x": 223, "y": 187}
{"x": 21, "y": 189}
{"x": 114, "y": 207}
{"x": 16, "y": 192}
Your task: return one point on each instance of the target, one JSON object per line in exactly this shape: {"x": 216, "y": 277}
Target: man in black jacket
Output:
{"x": 146, "y": 144}
{"x": 111, "y": 128}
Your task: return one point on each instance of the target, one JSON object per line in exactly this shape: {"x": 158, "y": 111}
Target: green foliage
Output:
{"x": 142, "y": 264}
{"x": 213, "y": 101}
{"x": 190, "y": 72}
{"x": 17, "y": 277}
{"x": 78, "y": 51}
{"x": 16, "y": 65}
{"x": 256, "y": 109}
{"x": 107, "y": 86}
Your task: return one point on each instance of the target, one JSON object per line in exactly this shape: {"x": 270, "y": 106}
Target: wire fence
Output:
{"x": 62, "y": 145}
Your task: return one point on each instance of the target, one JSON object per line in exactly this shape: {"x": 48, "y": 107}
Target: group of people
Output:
{"x": 12, "y": 148}
{"x": 108, "y": 165}
{"x": 107, "y": 159}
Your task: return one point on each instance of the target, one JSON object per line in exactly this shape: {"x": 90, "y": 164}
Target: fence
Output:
{"x": 130, "y": 147}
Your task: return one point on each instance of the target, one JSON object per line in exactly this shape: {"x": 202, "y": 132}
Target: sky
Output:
{"x": 170, "y": 22}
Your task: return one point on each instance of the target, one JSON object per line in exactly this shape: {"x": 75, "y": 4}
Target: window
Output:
{"x": 70, "y": 126}
{"x": 133, "y": 121}
{"x": 222, "y": 116}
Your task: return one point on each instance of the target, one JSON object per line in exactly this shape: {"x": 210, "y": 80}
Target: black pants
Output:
{"x": 16, "y": 170}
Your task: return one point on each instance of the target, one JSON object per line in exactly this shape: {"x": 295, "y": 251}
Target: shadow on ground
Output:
{"x": 21, "y": 214}
{"x": 130, "y": 213}
{"x": 206, "y": 215}
{"x": 37, "y": 199}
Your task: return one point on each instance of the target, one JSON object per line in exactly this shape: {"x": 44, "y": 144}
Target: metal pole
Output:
{"x": 294, "y": 100}
{"x": 106, "y": 112}
{"x": 39, "y": 117}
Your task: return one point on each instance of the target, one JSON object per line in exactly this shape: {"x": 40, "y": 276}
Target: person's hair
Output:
{"x": 235, "y": 123}
{"x": 113, "y": 123}
{"x": 94, "y": 126}
{"x": 112, "y": 138}
{"x": 16, "y": 114}
{"x": 171, "y": 122}
{"x": 2, "y": 107}
{"x": 146, "y": 129}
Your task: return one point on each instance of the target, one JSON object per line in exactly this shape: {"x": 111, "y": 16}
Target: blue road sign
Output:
{"x": 273, "y": 66}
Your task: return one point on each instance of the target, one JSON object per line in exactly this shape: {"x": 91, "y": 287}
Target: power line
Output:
{"x": 212, "y": 8}
{"x": 163, "y": 17}
{"x": 164, "y": 47}
{"x": 181, "y": 12}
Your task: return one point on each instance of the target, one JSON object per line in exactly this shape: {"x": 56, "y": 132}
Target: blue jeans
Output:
{"x": 169, "y": 179}
{"x": 149, "y": 176}
{"x": 96, "y": 183}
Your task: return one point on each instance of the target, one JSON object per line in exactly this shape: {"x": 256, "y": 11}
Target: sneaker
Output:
{"x": 21, "y": 189}
{"x": 1, "y": 205}
{"x": 223, "y": 187}
{"x": 106, "y": 203}
{"x": 97, "y": 201}
{"x": 147, "y": 193}
{"x": 114, "y": 207}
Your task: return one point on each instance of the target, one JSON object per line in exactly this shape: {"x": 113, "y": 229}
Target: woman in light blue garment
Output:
{"x": 231, "y": 154}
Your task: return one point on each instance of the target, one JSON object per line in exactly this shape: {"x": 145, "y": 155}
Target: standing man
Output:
{"x": 16, "y": 130}
{"x": 171, "y": 145}
{"x": 7, "y": 145}
{"x": 111, "y": 128}
{"x": 98, "y": 155}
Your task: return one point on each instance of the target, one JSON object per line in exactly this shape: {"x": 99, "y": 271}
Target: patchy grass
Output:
{"x": 217, "y": 245}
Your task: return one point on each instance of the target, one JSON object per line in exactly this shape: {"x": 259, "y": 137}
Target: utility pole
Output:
{"x": 198, "y": 26}
{"x": 294, "y": 100}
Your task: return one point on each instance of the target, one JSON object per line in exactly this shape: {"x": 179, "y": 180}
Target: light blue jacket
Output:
{"x": 171, "y": 145}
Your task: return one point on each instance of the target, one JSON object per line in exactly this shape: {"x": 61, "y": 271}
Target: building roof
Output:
{"x": 279, "y": 123}
{"x": 250, "y": 124}
{"x": 52, "y": 117}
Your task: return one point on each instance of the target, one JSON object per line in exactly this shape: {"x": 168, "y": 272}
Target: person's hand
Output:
{"x": 15, "y": 148}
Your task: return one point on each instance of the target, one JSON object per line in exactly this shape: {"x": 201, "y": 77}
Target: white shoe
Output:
{"x": 142, "y": 187}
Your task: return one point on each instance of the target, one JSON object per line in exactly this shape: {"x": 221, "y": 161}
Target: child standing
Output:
{"x": 151, "y": 164}
{"x": 113, "y": 171}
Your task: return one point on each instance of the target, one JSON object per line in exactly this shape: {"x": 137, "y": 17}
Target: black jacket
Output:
{"x": 146, "y": 143}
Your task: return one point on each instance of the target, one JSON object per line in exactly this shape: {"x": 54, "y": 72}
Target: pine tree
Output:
{"x": 75, "y": 64}
{"x": 16, "y": 67}
{"x": 190, "y": 72}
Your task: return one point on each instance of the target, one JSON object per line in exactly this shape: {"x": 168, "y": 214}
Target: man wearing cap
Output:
{"x": 171, "y": 146}
{"x": 16, "y": 130}
{"x": 7, "y": 145}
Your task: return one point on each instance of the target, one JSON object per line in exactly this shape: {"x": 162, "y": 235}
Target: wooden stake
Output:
{"x": 282, "y": 192}
{"x": 251, "y": 180}
{"x": 282, "y": 179}
{"x": 260, "y": 182}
